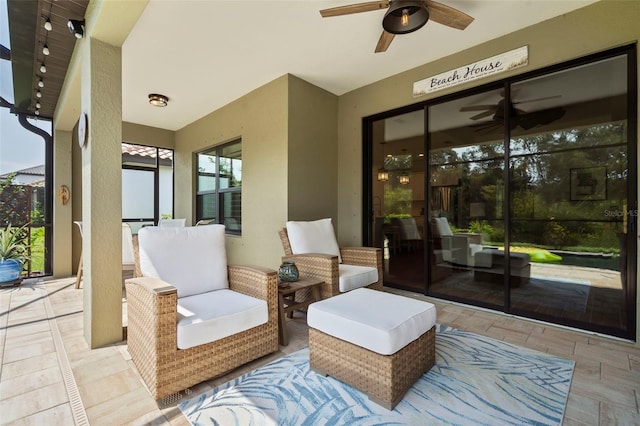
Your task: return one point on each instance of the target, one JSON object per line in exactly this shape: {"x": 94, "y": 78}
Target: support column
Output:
{"x": 62, "y": 222}
{"x": 101, "y": 101}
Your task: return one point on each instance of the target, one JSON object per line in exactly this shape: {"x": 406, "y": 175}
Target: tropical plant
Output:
{"x": 12, "y": 246}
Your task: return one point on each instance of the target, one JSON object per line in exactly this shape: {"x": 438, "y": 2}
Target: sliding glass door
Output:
{"x": 398, "y": 197}
{"x": 466, "y": 200}
{"x": 522, "y": 195}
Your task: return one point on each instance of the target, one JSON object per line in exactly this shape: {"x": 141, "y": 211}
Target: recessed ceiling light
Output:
{"x": 41, "y": 83}
{"x": 43, "y": 69}
{"x": 45, "y": 50}
{"x": 47, "y": 25}
{"x": 38, "y": 94}
{"x": 38, "y": 105}
{"x": 158, "y": 100}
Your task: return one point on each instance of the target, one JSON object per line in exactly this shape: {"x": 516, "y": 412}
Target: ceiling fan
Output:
{"x": 404, "y": 16}
{"x": 526, "y": 120}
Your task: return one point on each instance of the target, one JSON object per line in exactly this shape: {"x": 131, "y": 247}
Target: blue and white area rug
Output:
{"x": 476, "y": 381}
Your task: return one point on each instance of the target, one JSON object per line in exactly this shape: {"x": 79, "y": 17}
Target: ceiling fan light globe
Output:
{"x": 404, "y": 17}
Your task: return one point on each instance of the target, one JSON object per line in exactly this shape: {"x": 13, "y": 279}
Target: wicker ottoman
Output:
{"x": 377, "y": 342}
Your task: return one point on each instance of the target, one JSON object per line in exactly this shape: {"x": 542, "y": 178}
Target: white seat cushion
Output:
{"x": 381, "y": 322}
{"x": 192, "y": 259}
{"x": 352, "y": 276}
{"x": 211, "y": 316}
{"x": 315, "y": 236}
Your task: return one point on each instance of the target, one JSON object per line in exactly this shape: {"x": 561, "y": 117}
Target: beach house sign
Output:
{"x": 496, "y": 64}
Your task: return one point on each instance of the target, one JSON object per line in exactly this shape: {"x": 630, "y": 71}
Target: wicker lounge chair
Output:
{"x": 328, "y": 265}
{"x": 157, "y": 310}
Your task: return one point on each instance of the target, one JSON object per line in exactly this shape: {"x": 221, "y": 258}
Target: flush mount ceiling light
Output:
{"x": 47, "y": 25}
{"x": 404, "y": 17}
{"x": 158, "y": 100}
{"x": 76, "y": 27}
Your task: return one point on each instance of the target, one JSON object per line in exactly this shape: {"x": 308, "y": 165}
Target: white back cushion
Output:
{"x": 192, "y": 259}
{"x": 315, "y": 236}
{"x": 443, "y": 227}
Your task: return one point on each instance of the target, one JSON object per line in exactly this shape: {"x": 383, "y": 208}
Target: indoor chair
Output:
{"x": 314, "y": 249}
{"x": 191, "y": 316}
{"x": 458, "y": 248}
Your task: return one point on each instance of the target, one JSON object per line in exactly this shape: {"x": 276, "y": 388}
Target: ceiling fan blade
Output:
{"x": 384, "y": 41}
{"x": 355, "y": 8}
{"x": 477, "y": 108}
{"x": 538, "y": 99}
{"x": 482, "y": 115}
{"x": 447, "y": 15}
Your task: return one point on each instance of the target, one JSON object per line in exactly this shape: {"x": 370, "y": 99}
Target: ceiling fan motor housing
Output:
{"x": 405, "y": 16}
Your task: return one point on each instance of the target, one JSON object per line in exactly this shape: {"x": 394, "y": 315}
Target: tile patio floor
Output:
{"x": 48, "y": 375}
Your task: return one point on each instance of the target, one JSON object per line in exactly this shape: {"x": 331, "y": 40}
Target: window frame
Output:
{"x": 219, "y": 192}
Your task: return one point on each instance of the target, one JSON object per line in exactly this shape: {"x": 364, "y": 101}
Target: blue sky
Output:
{"x": 19, "y": 148}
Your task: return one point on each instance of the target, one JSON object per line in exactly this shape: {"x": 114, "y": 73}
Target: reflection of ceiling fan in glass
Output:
{"x": 404, "y": 16}
{"x": 519, "y": 117}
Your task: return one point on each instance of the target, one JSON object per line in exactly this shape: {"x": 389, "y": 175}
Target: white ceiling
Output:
{"x": 203, "y": 54}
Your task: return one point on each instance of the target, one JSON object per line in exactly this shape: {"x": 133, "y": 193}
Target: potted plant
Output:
{"x": 13, "y": 253}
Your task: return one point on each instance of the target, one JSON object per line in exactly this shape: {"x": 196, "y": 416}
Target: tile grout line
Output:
{"x": 77, "y": 407}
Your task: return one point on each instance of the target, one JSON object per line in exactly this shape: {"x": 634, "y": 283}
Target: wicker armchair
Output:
{"x": 326, "y": 267}
{"x": 155, "y": 308}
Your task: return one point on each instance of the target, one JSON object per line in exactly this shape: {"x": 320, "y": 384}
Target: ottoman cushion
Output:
{"x": 381, "y": 322}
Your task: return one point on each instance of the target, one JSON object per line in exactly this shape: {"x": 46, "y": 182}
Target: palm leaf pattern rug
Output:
{"x": 476, "y": 381}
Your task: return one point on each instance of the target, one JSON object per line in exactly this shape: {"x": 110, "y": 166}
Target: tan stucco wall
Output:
{"x": 146, "y": 135}
{"x": 594, "y": 28}
{"x": 312, "y": 152}
{"x": 260, "y": 119}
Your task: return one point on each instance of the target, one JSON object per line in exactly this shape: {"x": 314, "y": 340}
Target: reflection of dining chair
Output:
{"x": 458, "y": 248}
{"x": 128, "y": 259}
{"x": 407, "y": 231}
{"x": 175, "y": 223}
{"x": 205, "y": 222}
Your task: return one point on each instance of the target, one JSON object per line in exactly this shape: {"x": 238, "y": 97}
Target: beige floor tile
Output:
{"x": 605, "y": 392}
{"x": 113, "y": 386}
{"x": 90, "y": 370}
{"x": 138, "y": 403}
{"x": 28, "y": 339}
{"x": 582, "y": 410}
{"x": 32, "y": 402}
{"x": 611, "y": 414}
{"x": 29, "y": 351}
{"x": 29, "y": 382}
{"x": 615, "y": 358}
{"x": 621, "y": 377}
{"x": 18, "y": 330}
{"x": 60, "y": 415}
{"x": 551, "y": 343}
{"x": 29, "y": 366}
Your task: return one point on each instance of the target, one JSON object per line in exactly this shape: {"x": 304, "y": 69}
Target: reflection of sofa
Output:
{"x": 490, "y": 267}
{"x": 458, "y": 248}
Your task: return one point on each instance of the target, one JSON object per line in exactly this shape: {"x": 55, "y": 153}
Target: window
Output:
{"x": 147, "y": 185}
{"x": 219, "y": 186}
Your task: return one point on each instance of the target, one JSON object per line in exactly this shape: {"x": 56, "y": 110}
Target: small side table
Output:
{"x": 287, "y": 303}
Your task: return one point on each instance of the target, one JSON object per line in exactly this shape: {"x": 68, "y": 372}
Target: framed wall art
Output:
{"x": 589, "y": 184}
